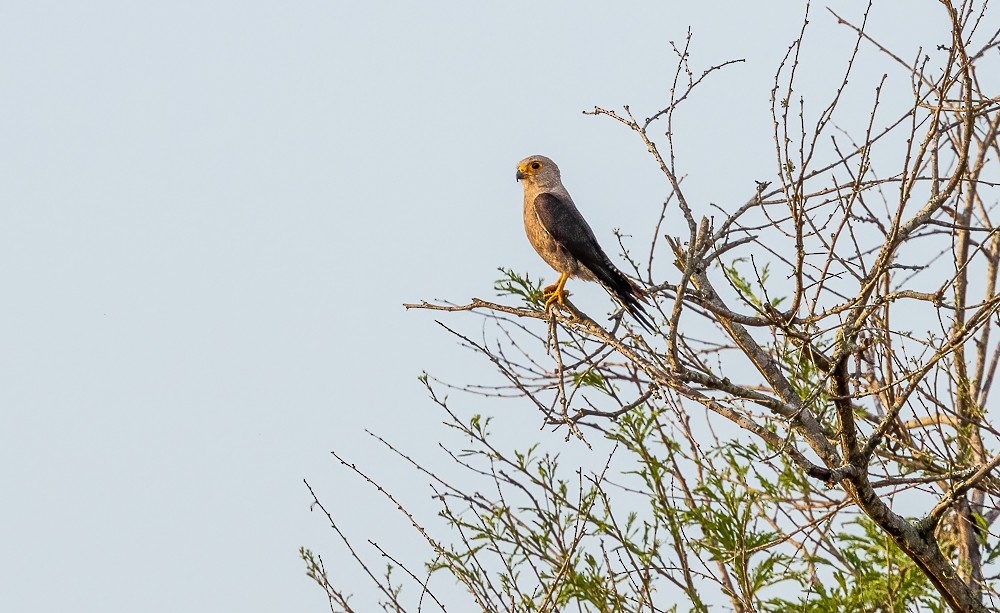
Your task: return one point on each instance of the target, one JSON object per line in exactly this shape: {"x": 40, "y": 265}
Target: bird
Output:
{"x": 564, "y": 239}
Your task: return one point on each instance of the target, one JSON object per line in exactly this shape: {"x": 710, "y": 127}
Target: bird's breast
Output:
{"x": 545, "y": 245}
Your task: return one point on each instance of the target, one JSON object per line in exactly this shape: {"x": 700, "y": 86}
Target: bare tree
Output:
{"x": 839, "y": 321}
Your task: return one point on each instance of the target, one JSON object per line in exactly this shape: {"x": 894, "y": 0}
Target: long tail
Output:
{"x": 625, "y": 292}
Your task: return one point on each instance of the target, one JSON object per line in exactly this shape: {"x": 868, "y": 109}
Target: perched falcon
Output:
{"x": 561, "y": 235}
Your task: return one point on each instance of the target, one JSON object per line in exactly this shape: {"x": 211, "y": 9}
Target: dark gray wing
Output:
{"x": 565, "y": 224}
{"x": 569, "y": 229}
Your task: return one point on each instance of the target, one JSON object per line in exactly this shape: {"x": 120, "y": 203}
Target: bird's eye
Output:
{"x": 536, "y": 165}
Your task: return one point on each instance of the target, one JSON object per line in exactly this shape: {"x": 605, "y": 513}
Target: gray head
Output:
{"x": 538, "y": 170}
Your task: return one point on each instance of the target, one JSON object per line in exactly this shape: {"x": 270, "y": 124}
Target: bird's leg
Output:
{"x": 555, "y": 293}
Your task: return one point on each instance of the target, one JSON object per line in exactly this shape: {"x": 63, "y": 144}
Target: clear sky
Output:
{"x": 211, "y": 213}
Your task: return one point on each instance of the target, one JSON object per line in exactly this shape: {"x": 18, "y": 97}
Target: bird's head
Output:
{"x": 538, "y": 169}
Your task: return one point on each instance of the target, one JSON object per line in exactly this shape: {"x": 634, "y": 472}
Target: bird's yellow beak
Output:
{"x": 520, "y": 174}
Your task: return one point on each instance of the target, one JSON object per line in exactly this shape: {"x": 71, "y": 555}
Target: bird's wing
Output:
{"x": 569, "y": 229}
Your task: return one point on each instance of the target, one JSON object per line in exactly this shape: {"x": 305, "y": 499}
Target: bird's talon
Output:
{"x": 554, "y": 297}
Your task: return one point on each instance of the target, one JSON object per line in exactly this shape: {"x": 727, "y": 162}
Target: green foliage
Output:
{"x": 591, "y": 378}
{"x": 748, "y": 289}
{"x": 512, "y": 283}
{"x": 681, "y": 527}
{"x": 314, "y": 567}
{"x": 869, "y": 573}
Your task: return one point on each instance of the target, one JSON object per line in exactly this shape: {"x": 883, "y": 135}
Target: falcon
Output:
{"x": 563, "y": 238}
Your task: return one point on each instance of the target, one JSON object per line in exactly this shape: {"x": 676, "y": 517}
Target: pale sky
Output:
{"x": 212, "y": 212}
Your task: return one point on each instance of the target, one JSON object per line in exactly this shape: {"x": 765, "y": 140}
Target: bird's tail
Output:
{"x": 627, "y": 294}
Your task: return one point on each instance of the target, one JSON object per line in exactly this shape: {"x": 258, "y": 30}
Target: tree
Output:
{"x": 809, "y": 428}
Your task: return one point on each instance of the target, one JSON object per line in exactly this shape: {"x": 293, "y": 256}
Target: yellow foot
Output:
{"x": 552, "y": 295}
{"x": 555, "y": 293}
